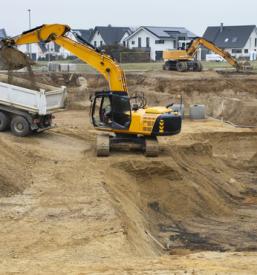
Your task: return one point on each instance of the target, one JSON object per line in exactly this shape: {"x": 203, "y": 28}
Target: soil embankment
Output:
{"x": 191, "y": 210}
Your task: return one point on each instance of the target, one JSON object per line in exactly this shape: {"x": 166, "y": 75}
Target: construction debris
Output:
{"x": 12, "y": 59}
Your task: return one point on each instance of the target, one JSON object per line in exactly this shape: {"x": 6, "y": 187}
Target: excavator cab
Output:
{"x": 111, "y": 111}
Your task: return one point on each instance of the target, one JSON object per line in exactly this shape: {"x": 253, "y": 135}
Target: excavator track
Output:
{"x": 151, "y": 147}
{"x": 103, "y": 145}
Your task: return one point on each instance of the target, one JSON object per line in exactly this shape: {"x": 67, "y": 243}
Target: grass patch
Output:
{"x": 140, "y": 67}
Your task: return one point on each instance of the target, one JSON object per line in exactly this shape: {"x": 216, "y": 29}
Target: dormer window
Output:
{"x": 234, "y": 40}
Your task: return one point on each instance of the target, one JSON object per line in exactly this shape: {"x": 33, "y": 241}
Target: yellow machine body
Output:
{"x": 173, "y": 57}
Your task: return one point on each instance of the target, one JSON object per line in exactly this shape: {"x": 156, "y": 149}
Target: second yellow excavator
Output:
{"x": 184, "y": 60}
{"x": 113, "y": 111}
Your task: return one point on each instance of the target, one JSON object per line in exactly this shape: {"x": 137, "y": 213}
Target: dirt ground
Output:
{"x": 190, "y": 211}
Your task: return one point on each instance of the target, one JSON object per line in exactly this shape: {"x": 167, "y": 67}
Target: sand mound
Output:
{"x": 13, "y": 59}
{"x": 14, "y": 173}
{"x": 231, "y": 97}
{"x": 21, "y": 82}
{"x": 148, "y": 169}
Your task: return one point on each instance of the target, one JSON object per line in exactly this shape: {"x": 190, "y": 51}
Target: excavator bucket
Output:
{"x": 13, "y": 59}
{"x": 245, "y": 66}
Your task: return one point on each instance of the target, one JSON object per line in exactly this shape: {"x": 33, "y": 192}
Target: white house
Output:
{"x": 239, "y": 41}
{"x": 109, "y": 35}
{"x": 158, "y": 39}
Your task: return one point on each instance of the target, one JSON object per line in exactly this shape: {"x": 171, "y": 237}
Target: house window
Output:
{"x": 246, "y": 51}
{"x": 139, "y": 42}
{"x": 236, "y": 51}
{"x": 95, "y": 43}
{"x": 101, "y": 43}
{"x": 255, "y": 42}
{"x": 124, "y": 43}
{"x": 133, "y": 42}
{"x": 147, "y": 42}
{"x": 159, "y": 41}
{"x": 182, "y": 38}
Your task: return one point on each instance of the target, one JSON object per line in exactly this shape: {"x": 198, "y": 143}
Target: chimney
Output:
{"x": 221, "y": 27}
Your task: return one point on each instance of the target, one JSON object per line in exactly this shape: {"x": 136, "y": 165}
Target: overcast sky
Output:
{"x": 196, "y": 15}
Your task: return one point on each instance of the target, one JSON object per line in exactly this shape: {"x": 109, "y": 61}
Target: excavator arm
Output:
{"x": 57, "y": 33}
{"x": 191, "y": 51}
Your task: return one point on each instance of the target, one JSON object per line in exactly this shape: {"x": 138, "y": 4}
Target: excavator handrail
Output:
{"x": 100, "y": 61}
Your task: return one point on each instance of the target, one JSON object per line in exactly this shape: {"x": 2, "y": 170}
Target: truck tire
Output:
{"x": 4, "y": 121}
{"x": 167, "y": 66}
{"x": 20, "y": 126}
{"x": 182, "y": 66}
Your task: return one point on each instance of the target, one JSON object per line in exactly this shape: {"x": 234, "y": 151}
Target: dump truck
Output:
{"x": 25, "y": 110}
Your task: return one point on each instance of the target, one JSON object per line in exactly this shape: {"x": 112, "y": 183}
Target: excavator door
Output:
{"x": 111, "y": 110}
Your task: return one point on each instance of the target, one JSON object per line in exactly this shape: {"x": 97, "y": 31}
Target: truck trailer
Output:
{"x": 25, "y": 111}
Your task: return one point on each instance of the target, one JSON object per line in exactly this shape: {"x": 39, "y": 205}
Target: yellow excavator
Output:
{"x": 122, "y": 119}
{"x": 184, "y": 60}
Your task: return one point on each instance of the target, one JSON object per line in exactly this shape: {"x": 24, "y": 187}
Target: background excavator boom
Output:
{"x": 192, "y": 50}
{"x": 183, "y": 60}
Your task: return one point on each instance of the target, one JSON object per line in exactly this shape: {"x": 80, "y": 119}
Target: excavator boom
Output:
{"x": 191, "y": 51}
{"x": 100, "y": 61}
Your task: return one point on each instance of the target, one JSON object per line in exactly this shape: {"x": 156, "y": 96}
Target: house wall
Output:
{"x": 34, "y": 50}
{"x": 143, "y": 34}
{"x": 123, "y": 41}
{"x": 97, "y": 40}
{"x": 251, "y": 44}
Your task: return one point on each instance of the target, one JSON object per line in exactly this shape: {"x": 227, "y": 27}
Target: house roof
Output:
{"x": 2, "y": 33}
{"x": 170, "y": 32}
{"x": 85, "y": 34}
{"x": 229, "y": 36}
{"x": 112, "y": 35}
{"x": 167, "y": 32}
